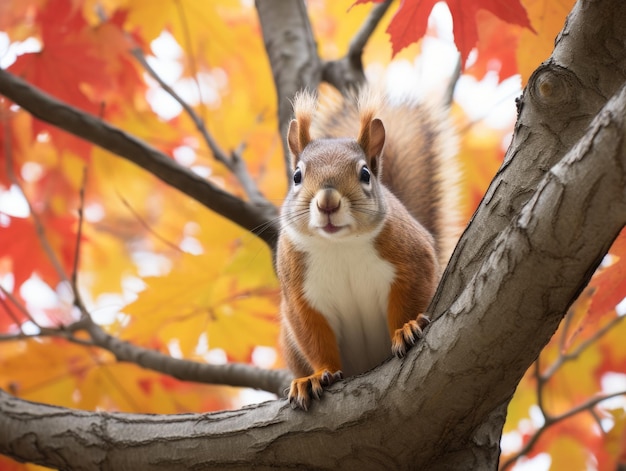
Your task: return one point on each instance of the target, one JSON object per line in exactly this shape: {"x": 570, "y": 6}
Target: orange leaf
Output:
{"x": 608, "y": 286}
{"x": 547, "y": 18}
{"x": 610, "y": 283}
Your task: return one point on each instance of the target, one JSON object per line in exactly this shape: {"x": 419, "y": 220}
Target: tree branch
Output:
{"x": 574, "y": 354}
{"x": 250, "y": 216}
{"x": 542, "y": 379}
{"x": 292, "y": 54}
{"x": 234, "y": 162}
{"x": 585, "y": 406}
{"x": 229, "y": 374}
{"x": 346, "y": 73}
{"x": 521, "y": 276}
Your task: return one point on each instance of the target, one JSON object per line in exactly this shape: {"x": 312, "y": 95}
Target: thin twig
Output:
{"x": 362, "y": 36}
{"x": 543, "y": 378}
{"x": 18, "y": 305}
{"x": 79, "y": 232}
{"x": 9, "y": 310}
{"x": 564, "y": 357}
{"x": 346, "y": 73}
{"x": 588, "y": 405}
{"x": 141, "y": 221}
{"x": 234, "y": 162}
{"x": 541, "y": 382}
{"x": 46, "y": 332}
{"x": 39, "y": 227}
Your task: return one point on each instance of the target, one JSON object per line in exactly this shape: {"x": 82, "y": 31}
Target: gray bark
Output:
{"x": 292, "y": 53}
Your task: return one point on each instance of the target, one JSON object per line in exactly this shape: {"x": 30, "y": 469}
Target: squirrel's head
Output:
{"x": 336, "y": 190}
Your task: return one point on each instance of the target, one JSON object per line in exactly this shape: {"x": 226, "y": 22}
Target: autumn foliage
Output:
{"x": 159, "y": 270}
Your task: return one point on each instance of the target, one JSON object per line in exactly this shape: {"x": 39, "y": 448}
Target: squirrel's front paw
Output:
{"x": 304, "y": 389}
{"x": 407, "y": 335}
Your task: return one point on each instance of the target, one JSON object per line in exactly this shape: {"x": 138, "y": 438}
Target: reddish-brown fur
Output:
{"x": 308, "y": 356}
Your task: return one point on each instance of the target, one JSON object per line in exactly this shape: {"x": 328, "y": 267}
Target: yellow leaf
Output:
{"x": 525, "y": 397}
{"x": 47, "y": 370}
{"x": 547, "y": 18}
{"x": 229, "y": 293}
{"x": 568, "y": 453}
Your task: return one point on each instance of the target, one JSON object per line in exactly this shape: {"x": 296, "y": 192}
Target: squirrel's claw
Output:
{"x": 303, "y": 390}
{"x": 408, "y": 335}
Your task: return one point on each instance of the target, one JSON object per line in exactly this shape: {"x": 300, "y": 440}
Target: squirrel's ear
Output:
{"x": 297, "y": 137}
{"x": 372, "y": 140}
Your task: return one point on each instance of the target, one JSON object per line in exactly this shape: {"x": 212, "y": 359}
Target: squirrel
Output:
{"x": 370, "y": 219}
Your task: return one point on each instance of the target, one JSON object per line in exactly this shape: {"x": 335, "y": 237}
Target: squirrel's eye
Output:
{"x": 297, "y": 176}
{"x": 365, "y": 175}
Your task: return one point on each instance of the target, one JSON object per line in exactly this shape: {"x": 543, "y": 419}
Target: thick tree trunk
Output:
{"x": 543, "y": 227}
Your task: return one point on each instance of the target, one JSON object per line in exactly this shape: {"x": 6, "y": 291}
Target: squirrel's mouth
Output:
{"x": 331, "y": 228}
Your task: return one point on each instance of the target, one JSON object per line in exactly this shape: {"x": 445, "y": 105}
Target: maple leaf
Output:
{"x": 19, "y": 244}
{"x": 64, "y": 61}
{"x": 411, "y": 20}
{"x": 84, "y": 66}
{"x": 547, "y": 18}
{"x": 606, "y": 290}
{"x": 497, "y": 48}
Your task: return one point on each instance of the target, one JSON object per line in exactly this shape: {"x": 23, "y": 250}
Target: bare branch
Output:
{"x": 146, "y": 225}
{"x": 585, "y": 406}
{"x": 346, "y": 73}
{"x": 18, "y": 305}
{"x": 574, "y": 354}
{"x": 41, "y": 105}
{"x": 39, "y": 227}
{"x": 231, "y": 374}
{"x": 234, "y": 162}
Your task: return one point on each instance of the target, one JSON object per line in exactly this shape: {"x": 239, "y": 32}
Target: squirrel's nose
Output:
{"x": 328, "y": 200}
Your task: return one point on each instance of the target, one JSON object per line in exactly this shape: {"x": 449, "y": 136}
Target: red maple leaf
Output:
{"x": 64, "y": 62}
{"x": 610, "y": 283}
{"x": 410, "y": 21}
{"x": 609, "y": 289}
{"x": 20, "y": 243}
{"x": 497, "y": 46}
{"x": 82, "y": 65}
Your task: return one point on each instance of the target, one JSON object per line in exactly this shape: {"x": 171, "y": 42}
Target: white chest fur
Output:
{"x": 348, "y": 282}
